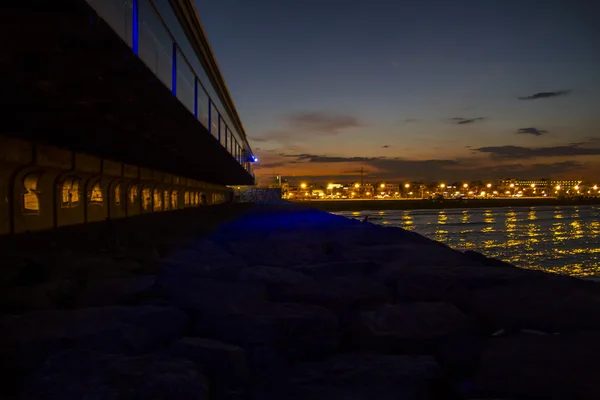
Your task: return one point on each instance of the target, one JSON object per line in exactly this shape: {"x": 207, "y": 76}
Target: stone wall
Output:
{"x": 44, "y": 187}
{"x": 260, "y": 195}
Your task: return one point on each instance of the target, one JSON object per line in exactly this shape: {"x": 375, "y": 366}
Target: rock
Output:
{"x": 288, "y": 250}
{"x": 296, "y": 331}
{"x": 365, "y": 376}
{"x": 42, "y": 296}
{"x": 335, "y": 294}
{"x": 207, "y": 254}
{"x": 491, "y": 262}
{"x": 86, "y": 375}
{"x": 205, "y": 297}
{"x": 409, "y": 327}
{"x": 29, "y": 338}
{"x": 270, "y": 276}
{"x": 352, "y": 269}
{"x": 452, "y": 283}
{"x": 438, "y": 329}
{"x": 540, "y": 367}
{"x": 85, "y": 268}
{"x": 116, "y": 291}
{"x": 412, "y": 254}
{"x": 551, "y": 304}
{"x": 223, "y": 364}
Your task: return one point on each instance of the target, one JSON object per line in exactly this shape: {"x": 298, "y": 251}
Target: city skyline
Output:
{"x": 423, "y": 91}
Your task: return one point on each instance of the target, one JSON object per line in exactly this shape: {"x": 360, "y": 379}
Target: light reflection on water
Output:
{"x": 560, "y": 239}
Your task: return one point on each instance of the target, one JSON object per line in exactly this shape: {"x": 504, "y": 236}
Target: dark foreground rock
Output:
{"x": 30, "y": 338}
{"x": 74, "y": 375}
{"x": 223, "y": 364}
{"x": 527, "y": 366}
{"x": 362, "y": 377}
{"x": 554, "y": 304}
{"x": 409, "y": 327}
{"x": 294, "y": 331}
{"x": 338, "y": 294}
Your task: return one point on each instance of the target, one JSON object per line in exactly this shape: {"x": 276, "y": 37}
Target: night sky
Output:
{"x": 433, "y": 90}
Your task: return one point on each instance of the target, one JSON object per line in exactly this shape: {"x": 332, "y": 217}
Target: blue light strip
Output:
{"x": 210, "y": 115}
{"x": 174, "y": 75}
{"x": 219, "y": 129}
{"x": 196, "y": 97}
{"x": 135, "y": 29}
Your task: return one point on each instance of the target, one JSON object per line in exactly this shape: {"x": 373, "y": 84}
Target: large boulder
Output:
{"x": 122, "y": 290}
{"x": 412, "y": 254}
{"x": 204, "y": 259}
{"x": 223, "y": 364}
{"x": 527, "y": 366}
{"x": 409, "y": 327}
{"x": 75, "y": 375}
{"x": 29, "y": 338}
{"x": 447, "y": 282}
{"x": 296, "y": 331}
{"x": 41, "y": 296}
{"x": 364, "y": 376}
{"x": 290, "y": 249}
{"x": 491, "y": 262}
{"x": 339, "y": 294}
{"x": 271, "y": 276}
{"x": 552, "y": 304}
{"x": 438, "y": 329}
{"x": 349, "y": 269}
{"x": 206, "y": 297}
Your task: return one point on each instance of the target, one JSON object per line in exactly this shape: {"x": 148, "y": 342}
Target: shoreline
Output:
{"x": 361, "y": 205}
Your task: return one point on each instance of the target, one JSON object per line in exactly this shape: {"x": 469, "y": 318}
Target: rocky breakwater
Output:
{"x": 289, "y": 303}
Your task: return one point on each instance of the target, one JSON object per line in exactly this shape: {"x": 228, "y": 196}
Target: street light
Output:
{"x": 489, "y": 185}
{"x": 407, "y": 185}
{"x": 466, "y": 185}
{"x": 533, "y": 185}
{"x": 443, "y": 185}
{"x": 512, "y": 185}
{"x": 576, "y": 187}
{"x": 357, "y": 185}
{"x": 303, "y": 185}
{"x": 382, "y": 185}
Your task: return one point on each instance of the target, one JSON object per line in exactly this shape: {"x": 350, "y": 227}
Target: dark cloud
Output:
{"x": 274, "y": 164}
{"x": 322, "y": 122}
{"x": 258, "y": 139}
{"x": 545, "y": 95}
{"x": 314, "y": 158}
{"x": 462, "y": 121}
{"x": 386, "y": 146}
{"x": 531, "y": 131}
{"x": 517, "y": 152}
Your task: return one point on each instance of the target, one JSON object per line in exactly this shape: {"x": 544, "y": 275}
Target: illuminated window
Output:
{"x": 186, "y": 198}
{"x": 70, "y": 193}
{"x": 174, "y": 199}
{"x": 157, "y": 200}
{"x": 96, "y": 196}
{"x": 167, "y": 199}
{"x": 118, "y": 194}
{"x": 146, "y": 199}
{"x": 31, "y": 200}
{"x": 133, "y": 194}
{"x": 196, "y": 198}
